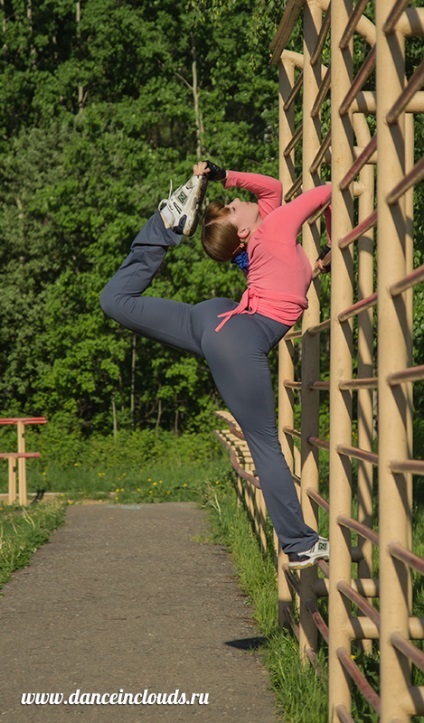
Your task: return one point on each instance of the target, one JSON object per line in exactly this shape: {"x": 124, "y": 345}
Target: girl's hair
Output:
{"x": 219, "y": 238}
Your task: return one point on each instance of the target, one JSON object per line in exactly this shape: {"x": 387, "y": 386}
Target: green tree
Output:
{"x": 101, "y": 107}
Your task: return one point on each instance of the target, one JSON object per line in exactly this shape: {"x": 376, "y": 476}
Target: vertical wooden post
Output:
{"x": 285, "y": 349}
{"x": 340, "y": 358}
{"x": 261, "y": 516}
{"x": 409, "y": 259}
{"x": 12, "y": 480}
{"x": 394, "y": 494}
{"x": 22, "y": 464}
{"x": 365, "y": 356}
{"x": 308, "y": 634}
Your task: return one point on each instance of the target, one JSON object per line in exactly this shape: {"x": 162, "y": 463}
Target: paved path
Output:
{"x": 128, "y": 597}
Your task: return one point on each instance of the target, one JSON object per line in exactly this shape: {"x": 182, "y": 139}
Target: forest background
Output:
{"x": 103, "y": 102}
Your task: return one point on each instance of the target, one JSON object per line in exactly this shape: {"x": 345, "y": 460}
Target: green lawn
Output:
{"x": 301, "y": 694}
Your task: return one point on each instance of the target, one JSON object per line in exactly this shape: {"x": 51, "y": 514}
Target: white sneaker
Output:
{"x": 182, "y": 208}
{"x": 320, "y": 551}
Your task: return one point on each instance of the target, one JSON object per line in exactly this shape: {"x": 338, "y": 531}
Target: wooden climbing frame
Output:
{"x": 353, "y": 123}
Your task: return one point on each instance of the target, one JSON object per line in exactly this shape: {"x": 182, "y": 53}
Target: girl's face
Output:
{"x": 244, "y": 215}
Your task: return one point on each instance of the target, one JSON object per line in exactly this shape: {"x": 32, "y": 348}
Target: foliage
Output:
{"x": 94, "y": 468}
{"x": 99, "y": 110}
{"x": 23, "y": 530}
{"x": 89, "y": 142}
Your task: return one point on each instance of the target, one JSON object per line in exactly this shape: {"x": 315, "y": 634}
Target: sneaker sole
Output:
{"x": 187, "y": 225}
{"x": 308, "y": 563}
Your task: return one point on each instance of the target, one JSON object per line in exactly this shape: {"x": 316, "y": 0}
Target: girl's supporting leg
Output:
{"x": 237, "y": 357}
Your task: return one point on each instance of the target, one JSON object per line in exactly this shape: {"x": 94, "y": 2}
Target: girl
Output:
{"x": 235, "y": 339}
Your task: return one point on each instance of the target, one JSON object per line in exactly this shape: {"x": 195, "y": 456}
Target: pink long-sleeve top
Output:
{"x": 279, "y": 273}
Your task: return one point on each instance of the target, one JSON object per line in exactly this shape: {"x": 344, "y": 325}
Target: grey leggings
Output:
{"x": 237, "y": 358}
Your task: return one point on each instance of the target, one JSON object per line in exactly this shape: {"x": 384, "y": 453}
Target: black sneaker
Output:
{"x": 183, "y": 206}
{"x": 320, "y": 551}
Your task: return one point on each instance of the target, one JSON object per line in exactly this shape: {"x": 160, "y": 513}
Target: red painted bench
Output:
{"x": 19, "y": 458}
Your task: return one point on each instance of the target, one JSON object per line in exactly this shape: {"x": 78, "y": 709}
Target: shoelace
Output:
{"x": 165, "y": 201}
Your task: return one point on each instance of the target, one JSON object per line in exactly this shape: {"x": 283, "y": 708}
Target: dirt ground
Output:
{"x": 129, "y": 598}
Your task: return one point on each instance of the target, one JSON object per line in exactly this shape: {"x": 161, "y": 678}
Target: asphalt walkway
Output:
{"x": 127, "y": 599}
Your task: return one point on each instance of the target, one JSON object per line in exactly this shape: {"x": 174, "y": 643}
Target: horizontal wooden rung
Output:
{"x": 24, "y": 420}
{"x": 18, "y": 455}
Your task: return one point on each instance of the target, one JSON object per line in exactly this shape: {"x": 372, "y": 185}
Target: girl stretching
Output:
{"x": 234, "y": 338}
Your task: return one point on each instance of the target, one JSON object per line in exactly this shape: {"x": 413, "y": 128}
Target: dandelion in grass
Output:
{"x": 160, "y": 482}
{"x": 76, "y": 464}
{"x": 150, "y": 492}
{"x": 138, "y": 489}
{"x": 149, "y": 479}
{"x": 217, "y": 482}
{"x": 185, "y": 484}
{"x": 155, "y": 484}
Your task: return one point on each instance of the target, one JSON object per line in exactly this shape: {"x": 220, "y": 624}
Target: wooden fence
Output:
{"x": 353, "y": 123}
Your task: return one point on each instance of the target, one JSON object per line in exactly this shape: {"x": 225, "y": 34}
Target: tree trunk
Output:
{"x": 32, "y": 52}
{"x": 115, "y": 420}
{"x": 197, "y": 112}
{"x": 132, "y": 400}
{"x": 4, "y": 24}
{"x": 158, "y": 416}
{"x": 78, "y": 22}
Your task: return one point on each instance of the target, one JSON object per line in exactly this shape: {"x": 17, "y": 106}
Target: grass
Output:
{"x": 301, "y": 693}
{"x": 139, "y": 467}
{"x": 23, "y": 531}
{"x": 207, "y": 480}
{"x": 156, "y": 482}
